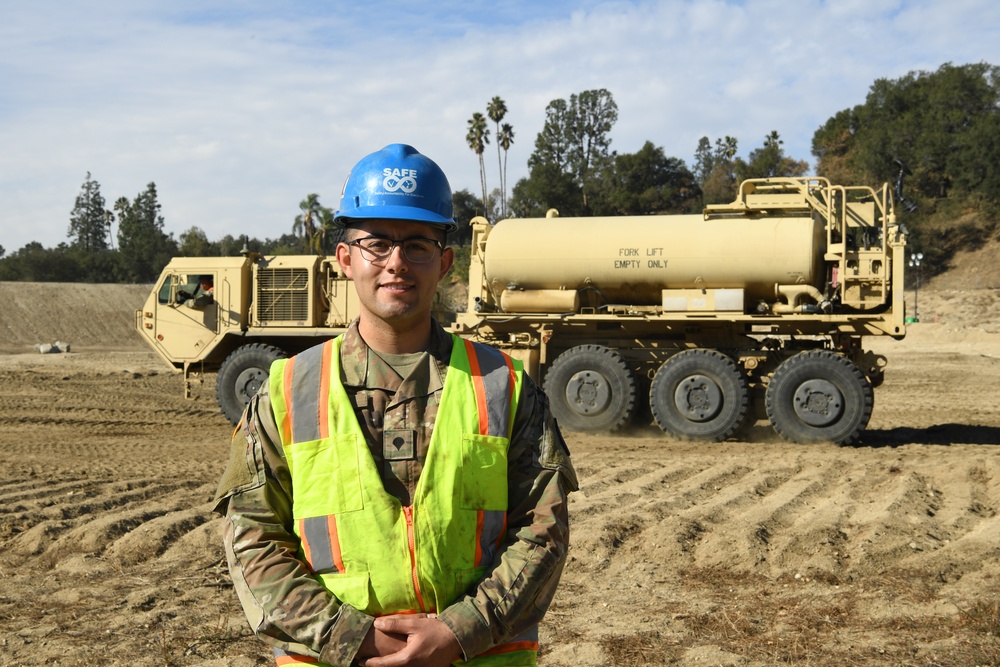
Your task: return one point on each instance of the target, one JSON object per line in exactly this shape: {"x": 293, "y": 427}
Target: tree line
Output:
{"x": 138, "y": 251}
{"x": 941, "y": 127}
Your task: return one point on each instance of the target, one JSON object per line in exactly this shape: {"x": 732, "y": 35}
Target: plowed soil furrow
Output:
{"x": 15, "y": 495}
{"x": 78, "y": 525}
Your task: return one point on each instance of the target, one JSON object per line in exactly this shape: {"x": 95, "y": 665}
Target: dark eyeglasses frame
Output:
{"x": 377, "y": 260}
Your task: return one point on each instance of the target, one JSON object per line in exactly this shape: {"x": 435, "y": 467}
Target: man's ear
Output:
{"x": 344, "y": 259}
{"x": 447, "y": 259}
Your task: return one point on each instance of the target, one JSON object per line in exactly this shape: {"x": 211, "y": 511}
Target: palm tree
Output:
{"x": 305, "y": 222}
{"x": 505, "y": 139}
{"x": 330, "y": 233}
{"x": 477, "y": 138}
{"x": 496, "y": 109}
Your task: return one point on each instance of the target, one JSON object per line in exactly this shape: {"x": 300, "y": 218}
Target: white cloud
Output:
{"x": 238, "y": 110}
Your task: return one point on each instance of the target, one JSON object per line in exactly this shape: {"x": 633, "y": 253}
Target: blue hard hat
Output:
{"x": 396, "y": 183}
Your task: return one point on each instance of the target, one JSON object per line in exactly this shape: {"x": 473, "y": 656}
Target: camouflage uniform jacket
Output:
{"x": 288, "y": 608}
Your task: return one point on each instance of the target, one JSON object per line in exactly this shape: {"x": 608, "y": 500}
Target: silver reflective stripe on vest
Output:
{"x": 490, "y": 538}
{"x": 307, "y": 373}
{"x": 316, "y": 531}
{"x": 497, "y": 383}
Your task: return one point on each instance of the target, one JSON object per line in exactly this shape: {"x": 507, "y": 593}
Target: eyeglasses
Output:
{"x": 377, "y": 249}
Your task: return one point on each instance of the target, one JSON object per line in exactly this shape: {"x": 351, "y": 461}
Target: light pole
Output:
{"x": 915, "y": 258}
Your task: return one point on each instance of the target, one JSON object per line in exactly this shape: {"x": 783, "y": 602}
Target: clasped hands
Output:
{"x": 409, "y": 640}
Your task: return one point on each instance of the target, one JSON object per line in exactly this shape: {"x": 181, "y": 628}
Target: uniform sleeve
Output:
{"x": 516, "y": 593}
{"x": 201, "y": 301}
{"x": 285, "y": 605}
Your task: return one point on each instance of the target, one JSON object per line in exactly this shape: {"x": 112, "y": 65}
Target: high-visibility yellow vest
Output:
{"x": 365, "y": 547}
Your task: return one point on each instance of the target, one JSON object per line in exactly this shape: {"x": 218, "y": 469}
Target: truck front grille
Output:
{"x": 282, "y": 295}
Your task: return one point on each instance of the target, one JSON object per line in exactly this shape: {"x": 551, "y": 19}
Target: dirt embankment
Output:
{"x": 84, "y": 315}
{"x": 747, "y": 553}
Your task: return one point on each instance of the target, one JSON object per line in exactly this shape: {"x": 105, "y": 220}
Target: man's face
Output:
{"x": 395, "y": 290}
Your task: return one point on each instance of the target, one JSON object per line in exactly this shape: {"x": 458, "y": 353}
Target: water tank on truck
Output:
{"x": 752, "y": 310}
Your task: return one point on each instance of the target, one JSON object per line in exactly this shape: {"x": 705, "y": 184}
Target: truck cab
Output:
{"x": 179, "y": 331}
{"x": 262, "y": 308}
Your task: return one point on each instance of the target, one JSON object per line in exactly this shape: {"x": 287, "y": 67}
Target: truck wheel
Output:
{"x": 819, "y": 396}
{"x": 591, "y": 388}
{"x": 699, "y": 395}
{"x": 241, "y": 375}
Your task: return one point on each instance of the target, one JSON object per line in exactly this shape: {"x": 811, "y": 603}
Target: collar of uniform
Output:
{"x": 354, "y": 361}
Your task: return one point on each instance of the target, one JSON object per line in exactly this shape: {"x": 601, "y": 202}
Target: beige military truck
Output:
{"x": 704, "y": 323}
{"x": 263, "y": 308}
{"x": 755, "y": 309}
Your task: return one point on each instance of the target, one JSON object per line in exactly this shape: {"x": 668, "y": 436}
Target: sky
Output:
{"x": 237, "y": 110}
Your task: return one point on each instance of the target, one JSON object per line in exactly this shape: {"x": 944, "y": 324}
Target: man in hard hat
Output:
{"x": 397, "y": 495}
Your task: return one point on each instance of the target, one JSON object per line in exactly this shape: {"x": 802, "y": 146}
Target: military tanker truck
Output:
{"x": 753, "y": 310}
{"x": 702, "y": 323}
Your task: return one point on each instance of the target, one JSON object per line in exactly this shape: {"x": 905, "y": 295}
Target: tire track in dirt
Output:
{"x": 647, "y": 530}
{"x": 777, "y": 513}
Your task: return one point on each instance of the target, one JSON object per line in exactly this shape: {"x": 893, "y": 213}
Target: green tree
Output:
{"x": 647, "y": 182}
{"x": 194, "y": 243}
{"x": 719, "y": 182}
{"x": 144, "y": 247}
{"x": 575, "y": 139}
{"x": 570, "y": 152}
{"x": 309, "y": 223}
{"x": 331, "y": 233}
{"x": 229, "y": 246}
{"x": 546, "y": 186}
{"x": 89, "y": 221}
{"x": 505, "y": 139}
{"x": 34, "y": 263}
{"x": 465, "y": 206}
{"x": 90, "y": 230}
{"x": 286, "y": 244}
{"x": 833, "y": 144}
{"x": 769, "y": 161}
{"x": 595, "y": 115}
{"x": 496, "y": 109}
{"x": 943, "y": 125}
{"x": 477, "y": 137}
{"x": 552, "y": 145}
{"x": 935, "y": 122}
{"x": 704, "y": 160}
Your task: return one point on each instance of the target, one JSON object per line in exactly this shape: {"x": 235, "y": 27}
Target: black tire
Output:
{"x": 700, "y": 394}
{"x": 591, "y": 388}
{"x": 819, "y": 396}
{"x": 241, "y": 375}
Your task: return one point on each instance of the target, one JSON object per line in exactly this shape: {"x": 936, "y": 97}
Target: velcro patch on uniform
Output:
{"x": 399, "y": 444}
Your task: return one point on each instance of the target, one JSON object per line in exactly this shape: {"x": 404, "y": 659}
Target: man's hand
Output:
{"x": 378, "y": 643}
{"x": 426, "y": 642}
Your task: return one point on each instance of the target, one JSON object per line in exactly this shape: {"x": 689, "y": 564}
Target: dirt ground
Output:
{"x": 739, "y": 553}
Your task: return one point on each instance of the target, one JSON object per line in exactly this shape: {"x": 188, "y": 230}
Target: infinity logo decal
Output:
{"x": 393, "y": 183}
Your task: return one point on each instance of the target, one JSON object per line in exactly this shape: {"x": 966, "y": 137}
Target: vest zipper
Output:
{"x": 412, "y": 543}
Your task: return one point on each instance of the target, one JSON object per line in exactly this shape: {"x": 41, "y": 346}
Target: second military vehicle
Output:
{"x": 753, "y": 309}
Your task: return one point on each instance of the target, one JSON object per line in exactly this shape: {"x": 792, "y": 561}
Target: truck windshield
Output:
{"x": 186, "y": 283}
